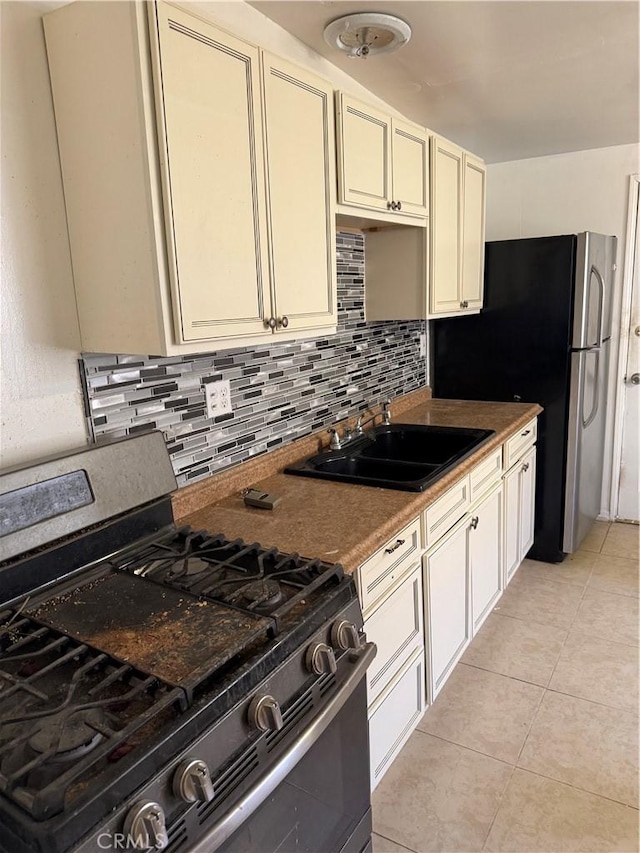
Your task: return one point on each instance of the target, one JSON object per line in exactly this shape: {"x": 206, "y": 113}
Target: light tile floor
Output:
{"x": 532, "y": 746}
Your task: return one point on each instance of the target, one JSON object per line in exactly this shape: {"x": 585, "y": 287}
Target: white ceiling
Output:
{"x": 508, "y": 80}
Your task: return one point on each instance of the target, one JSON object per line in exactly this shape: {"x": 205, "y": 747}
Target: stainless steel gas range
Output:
{"x": 168, "y": 689}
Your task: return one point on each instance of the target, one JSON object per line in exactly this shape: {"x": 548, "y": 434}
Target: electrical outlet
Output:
{"x": 218, "y": 398}
{"x": 423, "y": 345}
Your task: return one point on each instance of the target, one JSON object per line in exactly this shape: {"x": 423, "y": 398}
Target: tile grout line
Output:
{"x": 470, "y": 748}
{"x": 546, "y": 687}
{"x": 593, "y": 701}
{"x": 564, "y": 642}
{"x": 577, "y": 788}
{"x": 499, "y": 806}
{"x": 503, "y": 675}
{"x": 393, "y": 841}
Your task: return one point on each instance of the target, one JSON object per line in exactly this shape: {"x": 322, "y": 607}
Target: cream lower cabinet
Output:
{"x": 383, "y": 162}
{"x": 446, "y": 600}
{"x": 463, "y": 574}
{"x": 199, "y": 178}
{"x": 422, "y": 608}
{"x": 458, "y": 179}
{"x": 486, "y": 557}
{"x": 519, "y": 510}
{"x": 390, "y": 590}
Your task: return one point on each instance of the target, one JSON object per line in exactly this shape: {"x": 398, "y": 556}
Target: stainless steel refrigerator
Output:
{"x": 543, "y": 336}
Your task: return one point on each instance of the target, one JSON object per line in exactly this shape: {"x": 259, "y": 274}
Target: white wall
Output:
{"x": 40, "y": 397}
{"x": 41, "y": 409}
{"x": 566, "y": 194}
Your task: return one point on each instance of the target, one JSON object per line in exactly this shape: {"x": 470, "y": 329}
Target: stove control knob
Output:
{"x": 265, "y": 714}
{"x": 192, "y": 782}
{"x": 344, "y": 635}
{"x": 144, "y": 827}
{"x": 320, "y": 659}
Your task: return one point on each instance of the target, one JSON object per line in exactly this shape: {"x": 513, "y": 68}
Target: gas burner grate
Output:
{"x": 67, "y": 712}
{"x": 247, "y": 577}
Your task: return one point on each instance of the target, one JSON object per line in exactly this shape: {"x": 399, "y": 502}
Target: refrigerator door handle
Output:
{"x": 596, "y": 392}
{"x": 595, "y": 271}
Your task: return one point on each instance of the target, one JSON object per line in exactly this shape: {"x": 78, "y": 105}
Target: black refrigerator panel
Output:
{"x": 518, "y": 349}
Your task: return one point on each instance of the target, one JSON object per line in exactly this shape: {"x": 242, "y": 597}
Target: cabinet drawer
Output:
{"x": 395, "y": 716}
{"x": 486, "y": 474}
{"x": 446, "y": 511}
{"x": 516, "y": 445}
{"x": 385, "y": 568}
{"x": 396, "y": 629}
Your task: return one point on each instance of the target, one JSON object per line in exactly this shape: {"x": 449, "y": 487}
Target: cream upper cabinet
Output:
{"x": 473, "y": 227}
{"x": 383, "y": 162}
{"x": 364, "y": 154}
{"x": 299, "y": 129}
{"x": 446, "y": 226}
{"x": 213, "y": 180}
{"x": 437, "y": 271}
{"x": 199, "y": 182}
{"x": 457, "y": 230}
{"x": 410, "y": 167}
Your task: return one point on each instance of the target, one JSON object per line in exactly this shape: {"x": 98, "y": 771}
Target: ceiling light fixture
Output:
{"x": 367, "y": 34}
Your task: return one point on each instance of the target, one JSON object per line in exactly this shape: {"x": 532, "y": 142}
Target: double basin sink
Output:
{"x": 409, "y": 457}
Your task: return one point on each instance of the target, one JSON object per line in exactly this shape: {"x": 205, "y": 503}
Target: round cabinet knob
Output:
{"x": 271, "y": 323}
{"x": 145, "y": 827}
{"x": 391, "y": 205}
{"x": 192, "y": 782}
{"x": 474, "y": 522}
{"x": 285, "y": 322}
{"x": 320, "y": 659}
{"x": 265, "y": 714}
{"x": 634, "y": 379}
{"x": 344, "y": 635}
{"x": 398, "y": 205}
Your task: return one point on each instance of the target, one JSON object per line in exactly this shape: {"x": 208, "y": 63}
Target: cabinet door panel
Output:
{"x": 446, "y": 226}
{"x": 300, "y": 157}
{"x": 214, "y": 176}
{"x": 473, "y": 232}
{"x": 511, "y": 522}
{"x": 365, "y": 154}
{"x": 410, "y": 153}
{"x": 527, "y": 501}
{"x": 394, "y": 716}
{"x": 485, "y": 558}
{"x": 396, "y": 629}
{"x": 446, "y": 617}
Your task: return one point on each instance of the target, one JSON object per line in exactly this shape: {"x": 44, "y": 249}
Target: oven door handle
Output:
{"x": 265, "y": 786}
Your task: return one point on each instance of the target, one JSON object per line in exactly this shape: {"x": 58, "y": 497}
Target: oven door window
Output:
{"x": 323, "y": 805}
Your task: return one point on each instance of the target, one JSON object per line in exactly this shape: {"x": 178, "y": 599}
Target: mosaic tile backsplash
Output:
{"x": 279, "y": 392}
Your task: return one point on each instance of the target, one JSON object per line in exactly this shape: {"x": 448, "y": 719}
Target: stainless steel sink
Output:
{"x": 409, "y": 457}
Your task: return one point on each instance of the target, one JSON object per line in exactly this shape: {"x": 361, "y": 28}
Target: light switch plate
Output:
{"x": 218, "y": 398}
{"x": 423, "y": 345}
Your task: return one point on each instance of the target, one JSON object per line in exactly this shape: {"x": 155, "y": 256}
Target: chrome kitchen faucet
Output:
{"x": 349, "y": 435}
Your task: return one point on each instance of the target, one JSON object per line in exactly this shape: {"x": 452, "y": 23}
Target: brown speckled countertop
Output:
{"x": 345, "y": 523}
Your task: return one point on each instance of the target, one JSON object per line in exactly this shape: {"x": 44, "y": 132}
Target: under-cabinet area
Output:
{"x": 428, "y": 590}
{"x": 204, "y": 178}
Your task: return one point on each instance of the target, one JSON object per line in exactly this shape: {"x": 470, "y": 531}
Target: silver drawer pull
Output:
{"x": 474, "y": 522}
{"x": 395, "y": 547}
{"x": 526, "y": 432}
